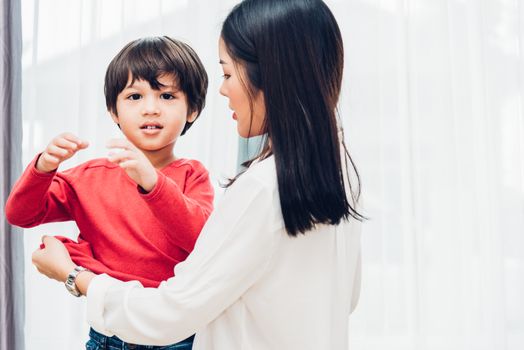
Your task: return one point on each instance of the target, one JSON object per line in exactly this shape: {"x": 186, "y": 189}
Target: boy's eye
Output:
{"x": 166, "y": 96}
{"x": 134, "y": 97}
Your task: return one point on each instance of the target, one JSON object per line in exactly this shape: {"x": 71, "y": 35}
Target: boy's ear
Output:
{"x": 191, "y": 118}
{"x": 114, "y": 117}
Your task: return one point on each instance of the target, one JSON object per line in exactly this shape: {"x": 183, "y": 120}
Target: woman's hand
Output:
{"x": 134, "y": 162}
{"x": 53, "y": 260}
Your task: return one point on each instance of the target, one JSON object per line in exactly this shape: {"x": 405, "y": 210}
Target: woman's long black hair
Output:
{"x": 292, "y": 51}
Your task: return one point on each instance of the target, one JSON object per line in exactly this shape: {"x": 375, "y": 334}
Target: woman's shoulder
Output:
{"x": 259, "y": 184}
{"x": 260, "y": 179}
{"x": 262, "y": 171}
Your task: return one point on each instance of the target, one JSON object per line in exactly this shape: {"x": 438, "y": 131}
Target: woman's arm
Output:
{"x": 82, "y": 254}
{"x": 231, "y": 254}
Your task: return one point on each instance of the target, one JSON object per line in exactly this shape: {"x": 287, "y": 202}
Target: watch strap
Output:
{"x": 71, "y": 279}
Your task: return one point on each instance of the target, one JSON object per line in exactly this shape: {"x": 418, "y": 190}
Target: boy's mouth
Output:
{"x": 151, "y": 126}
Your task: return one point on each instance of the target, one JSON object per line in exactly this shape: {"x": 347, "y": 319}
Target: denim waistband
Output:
{"x": 116, "y": 343}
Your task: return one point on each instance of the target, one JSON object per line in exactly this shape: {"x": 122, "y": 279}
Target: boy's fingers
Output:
{"x": 75, "y": 139}
{"x": 119, "y": 143}
{"x": 130, "y": 163}
{"x": 70, "y": 137}
{"x": 65, "y": 143}
{"x": 120, "y": 156}
{"x": 83, "y": 144}
{"x": 50, "y": 158}
{"x": 58, "y": 152}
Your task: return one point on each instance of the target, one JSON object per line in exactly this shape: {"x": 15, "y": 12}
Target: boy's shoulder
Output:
{"x": 93, "y": 164}
{"x": 191, "y": 165}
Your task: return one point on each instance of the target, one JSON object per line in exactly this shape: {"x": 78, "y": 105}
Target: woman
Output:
{"x": 277, "y": 265}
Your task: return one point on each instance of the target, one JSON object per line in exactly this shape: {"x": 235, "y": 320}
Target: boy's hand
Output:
{"x": 134, "y": 162}
{"x": 62, "y": 147}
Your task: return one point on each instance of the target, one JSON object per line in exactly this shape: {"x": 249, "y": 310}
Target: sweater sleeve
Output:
{"x": 186, "y": 209}
{"x": 82, "y": 254}
{"x": 231, "y": 254}
{"x": 39, "y": 198}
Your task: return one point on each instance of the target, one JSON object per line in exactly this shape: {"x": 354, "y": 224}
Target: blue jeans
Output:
{"x": 99, "y": 341}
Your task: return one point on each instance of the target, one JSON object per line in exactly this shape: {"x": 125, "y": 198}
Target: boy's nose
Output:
{"x": 150, "y": 107}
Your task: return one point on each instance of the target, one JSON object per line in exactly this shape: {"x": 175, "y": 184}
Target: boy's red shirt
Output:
{"x": 124, "y": 233}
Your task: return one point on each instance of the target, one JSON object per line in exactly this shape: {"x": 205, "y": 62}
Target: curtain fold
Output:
{"x": 11, "y": 240}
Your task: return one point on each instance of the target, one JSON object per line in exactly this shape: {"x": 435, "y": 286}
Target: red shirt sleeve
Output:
{"x": 82, "y": 254}
{"x": 187, "y": 209}
{"x": 38, "y": 198}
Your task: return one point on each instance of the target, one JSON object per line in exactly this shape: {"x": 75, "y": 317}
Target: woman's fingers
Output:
{"x": 50, "y": 241}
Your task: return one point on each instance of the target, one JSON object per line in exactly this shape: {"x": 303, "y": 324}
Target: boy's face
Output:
{"x": 152, "y": 119}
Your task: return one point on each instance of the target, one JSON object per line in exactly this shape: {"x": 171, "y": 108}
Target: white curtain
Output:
{"x": 432, "y": 105}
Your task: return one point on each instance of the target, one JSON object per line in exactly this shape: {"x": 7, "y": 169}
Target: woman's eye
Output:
{"x": 134, "y": 97}
{"x": 226, "y": 76}
{"x": 167, "y": 96}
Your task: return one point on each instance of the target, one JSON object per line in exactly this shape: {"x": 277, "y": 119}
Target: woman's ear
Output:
{"x": 192, "y": 117}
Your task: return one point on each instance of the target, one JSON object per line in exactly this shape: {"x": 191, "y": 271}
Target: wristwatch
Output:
{"x": 70, "y": 281}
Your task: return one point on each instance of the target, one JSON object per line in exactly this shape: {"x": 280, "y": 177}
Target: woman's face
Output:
{"x": 249, "y": 123}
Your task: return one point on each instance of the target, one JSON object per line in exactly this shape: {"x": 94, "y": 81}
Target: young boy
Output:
{"x": 141, "y": 210}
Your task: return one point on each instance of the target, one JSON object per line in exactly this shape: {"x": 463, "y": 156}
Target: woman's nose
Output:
{"x": 222, "y": 90}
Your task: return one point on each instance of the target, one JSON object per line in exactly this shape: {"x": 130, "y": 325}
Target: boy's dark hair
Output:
{"x": 147, "y": 59}
{"x": 292, "y": 51}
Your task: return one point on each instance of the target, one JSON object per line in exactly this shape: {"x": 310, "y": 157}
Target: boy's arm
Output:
{"x": 41, "y": 195}
{"x": 38, "y": 197}
{"x": 186, "y": 210}
{"x": 82, "y": 254}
